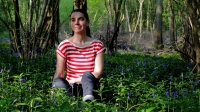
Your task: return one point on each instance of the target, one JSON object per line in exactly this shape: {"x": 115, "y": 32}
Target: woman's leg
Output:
{"x": 89, "y": 83}
{"x": 62, "y": 83}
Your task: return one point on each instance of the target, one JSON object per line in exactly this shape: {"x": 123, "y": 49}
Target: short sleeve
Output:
{"x": 100, "y": 47}
{"x": 61, "y": 49}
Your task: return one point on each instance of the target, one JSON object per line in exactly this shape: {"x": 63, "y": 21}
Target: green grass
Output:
{"x": 4, "y": 34}
{"x": 131, "y": 82}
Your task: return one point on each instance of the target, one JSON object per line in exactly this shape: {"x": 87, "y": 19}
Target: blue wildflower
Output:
{"x": 196, "y": 83}
{"x": 54, "y": 102}
{"x": 154, "y": 73}
{"x": 145, "y": 59}
{"x": 29, "y": 88}
{"x": 14, "y": 100}
{"x": 171, "y": 77}
{"x": 101, "y": 84}
{"x": 23, "y": 80}
{"x": 175, "y": 94}
{"x": 1, "y": 71}
{"x": 71, "y": 84}
{"x": 51, "y": 73}
{"x": 184, "y": 93}
{"x": 193, "y": 90}
{"x": 164, "y": 65}
{"x": 154, "y": 95}
{"x": 37, "y": 103}
{"x": 144, "y": 75}
{"x": 129, "y": 94}
{"x": 54, "y": 85}
{"x": 167, "y": 94}
{"x": 182, "y": 74}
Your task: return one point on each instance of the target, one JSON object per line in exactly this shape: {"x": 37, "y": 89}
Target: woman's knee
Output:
{"x": 60, "y": 83}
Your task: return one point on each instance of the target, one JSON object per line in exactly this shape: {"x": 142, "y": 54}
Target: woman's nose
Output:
{"x": 76, "y": 22}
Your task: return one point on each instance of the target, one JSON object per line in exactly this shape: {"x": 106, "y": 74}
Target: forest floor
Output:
{"x": 142, "y": 45}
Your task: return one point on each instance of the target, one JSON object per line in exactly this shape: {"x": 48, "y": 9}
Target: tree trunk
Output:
{"x": 127, "y": 19}
{"x": 171, "y": 23}
{"x": 17, "y": 25}
{"x": 158, "y": 43}
{"x": 80, "y": 4}
{"x": 148, "y": 15}
{"x": 138, "y": 20}
{"x": 38, "y": 28}
{"x": 118, "y": 19}
{"x": 193, "y": 12}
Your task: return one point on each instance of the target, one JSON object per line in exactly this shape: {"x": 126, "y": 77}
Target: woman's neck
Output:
{"x": 80, "y": 39}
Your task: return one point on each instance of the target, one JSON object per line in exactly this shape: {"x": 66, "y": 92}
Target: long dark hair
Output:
{"x": 86, "y": 17}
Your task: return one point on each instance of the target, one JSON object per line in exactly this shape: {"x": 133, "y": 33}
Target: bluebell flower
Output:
{"x": 37, "y": 103}
{"x": 196, "y": 83}
{"x": 144, "y": 75}
{"x": 54, "y": 102}
{"x": 51, "y": 73}
{"x": 145, "y": 59}
{"x": 1, "y": 71}
{"x": 171, "y": 77}
{"x": 54, "y": 85}
{"x": 184, "y": 93}
{"x": 110, "y": 52}
{"x": 14, "y": 100}
{"x": 193, "y": 90}
{"x": 122, "y": 73}
{"x": 29, "y": 88}
{"x": 154, "y": 73}
{"x": 129, "y": 94}
{"x": 189, "y": 65}
{"x": 0, "y": 83}
{"x": 23, "y": 80}
{"x": 164, "y": 65}
{"x": 175, "y": 94}
{"x": 182, "y": 74}
{"x": 167, "y": 94}
{"x": 101, "y": 84}
{"x": 154, "y": 95}
{"x": 71, "y": 84}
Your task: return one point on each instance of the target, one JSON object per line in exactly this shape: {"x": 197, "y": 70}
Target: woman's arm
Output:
{"x": 60, "y": 66}
{"x": 99, "y": 65}
{"x": 98, "y": 68}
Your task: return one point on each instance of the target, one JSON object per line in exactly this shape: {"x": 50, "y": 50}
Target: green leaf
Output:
{"x": 65, "y": 107}
{"x": 148, "y": 110}
{"x": 20, "y": 104}
{"x": 38, "y": 99}
{"x": 15, "y": 111}
{"x": 2, "y": 102}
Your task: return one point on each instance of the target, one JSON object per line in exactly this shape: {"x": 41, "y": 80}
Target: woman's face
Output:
{"x": 78, "y": 23}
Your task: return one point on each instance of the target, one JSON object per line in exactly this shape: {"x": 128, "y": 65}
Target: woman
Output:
{"x": 80, "y": 59}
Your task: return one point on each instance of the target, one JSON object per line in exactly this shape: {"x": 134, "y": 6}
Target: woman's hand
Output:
{"x": 75, "y": 81}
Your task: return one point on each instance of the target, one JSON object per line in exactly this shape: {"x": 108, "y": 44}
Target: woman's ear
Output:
{"x": 88, "y": 23}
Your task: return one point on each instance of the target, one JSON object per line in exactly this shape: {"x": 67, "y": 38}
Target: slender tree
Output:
{"x": 80, "y": 4}
{"x": 158, "y": 42}
{"x": 38, "y": 32}
{"x": 171, "y": 23}
{"x": 118, "y": 17}
{"x": 193, "y": 14}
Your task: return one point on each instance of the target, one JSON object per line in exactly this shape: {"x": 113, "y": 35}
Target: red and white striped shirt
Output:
{"x": 79, "y": 59}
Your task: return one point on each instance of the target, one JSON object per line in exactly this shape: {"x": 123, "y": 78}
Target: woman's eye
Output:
{"x": 82, "y": 19}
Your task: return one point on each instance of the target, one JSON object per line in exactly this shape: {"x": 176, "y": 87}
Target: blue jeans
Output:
{"x": 89, "y": 83}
